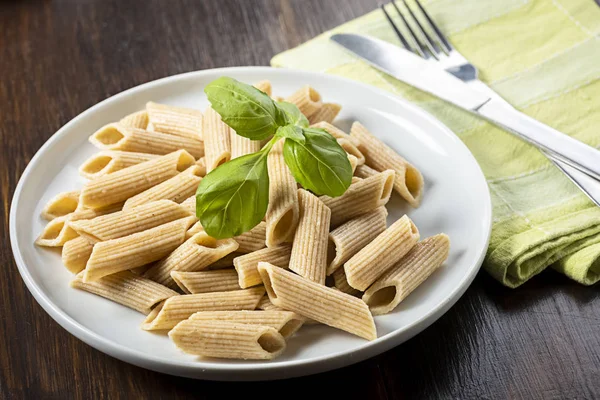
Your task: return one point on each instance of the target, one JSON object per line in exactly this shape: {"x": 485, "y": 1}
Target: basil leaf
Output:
{"x": 320, "y": 164}
{"x": 291, "y": 132}
{"x": 233, "y": 198}
{"x": 250, "y": 112}
{"x": 292, "y": 114}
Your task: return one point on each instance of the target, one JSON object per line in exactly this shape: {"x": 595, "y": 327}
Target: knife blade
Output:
{"x": 417, "y": 72}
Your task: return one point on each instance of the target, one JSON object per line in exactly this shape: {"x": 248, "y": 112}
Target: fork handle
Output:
{"x": 573, "y": 152}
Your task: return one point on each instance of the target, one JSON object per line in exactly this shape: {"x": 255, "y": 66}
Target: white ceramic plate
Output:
{"x": 456, "y": 201}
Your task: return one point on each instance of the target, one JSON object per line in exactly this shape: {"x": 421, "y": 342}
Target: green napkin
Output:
{"x": 543, "y": 56}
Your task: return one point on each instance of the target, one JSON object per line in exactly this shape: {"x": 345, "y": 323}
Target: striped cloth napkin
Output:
{"x": 543, "y": 56}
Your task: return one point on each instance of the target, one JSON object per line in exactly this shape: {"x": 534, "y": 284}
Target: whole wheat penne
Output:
{"x": 351, "y": 149}
{"x": 252, "y": 240}
{"x": 127, "y": 222}
{"x": 59, "y": 231}
{"x": 225, "y": 262}
{"x": 327, "y": 113}
{"x": 195, "y": 254}
{"x": 124, "y": 138}
{"x": 307, "y": 99}
{"x": 309, "y": 250}
{"x": 217, "y": 140}
{"x": 364, "y": 171}
{"x": 75, "y": 254}
{"x": 334, "y": 131}
{"x": 197, "y": 227}
{"x": 224, "y": 339}
{"x": 353, "y": 162}
{"x": 363, "y": 268}
{"x": 206, "y": 281}
{"x": 135, "y": 250}
{"x": 177, "y": 121}
{"x": 123, "y": 184}
{"x": 240, "y": 146}
{"x": 106, "y": 162}
{"x": 247, "y": 264}
{"x": 126, "y": 288}
{"x": 282, "y": 212}
{"x": 286, "y": 322}
{"x": 341, "y": 283}
{"x": 138, "y": 119}
{"x": 62, "y": 204}
{"x": 175, "y": 309}
{"x": 347, "y": 239}
{"x": 190, "y": 204}
{"x": 408, "y": 182}
{"x": 202, "y": 164}
{"x": 266, "y": 305}
{"x": 177, "y": 189}
{"x": 264, "y": 86}
{"x": 362, "y": 196}
{"x": 318, "y": 302}
{"x": 407, "y": 274}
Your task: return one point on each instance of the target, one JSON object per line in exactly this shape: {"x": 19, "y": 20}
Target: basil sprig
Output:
{"x": 233, "y": 198}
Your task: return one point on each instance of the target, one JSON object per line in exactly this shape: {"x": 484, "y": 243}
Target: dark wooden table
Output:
{"x": 57, "y": 58}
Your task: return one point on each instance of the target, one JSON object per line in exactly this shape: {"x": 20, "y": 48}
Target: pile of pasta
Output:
{"x": 131, "y": 235}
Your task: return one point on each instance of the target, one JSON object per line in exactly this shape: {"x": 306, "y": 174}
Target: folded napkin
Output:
{"x": 543, "y": 56}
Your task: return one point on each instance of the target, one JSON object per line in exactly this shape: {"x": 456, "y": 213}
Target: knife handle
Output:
{"x": 573, "y": 152}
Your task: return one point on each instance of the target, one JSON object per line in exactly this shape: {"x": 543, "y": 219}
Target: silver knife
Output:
{"x": 421, "y": 74}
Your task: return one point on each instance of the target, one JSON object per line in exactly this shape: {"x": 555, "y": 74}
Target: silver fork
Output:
{"x": 434, "y": 46}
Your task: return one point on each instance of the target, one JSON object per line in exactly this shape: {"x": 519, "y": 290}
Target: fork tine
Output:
{"x": 417, "y": 46}
{"x": 440, "y": 36}
{"x": 433, "y": 49}
{"x": 398, "y": 33}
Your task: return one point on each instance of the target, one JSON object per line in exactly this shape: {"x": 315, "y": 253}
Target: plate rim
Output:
{"x": 216, "y": 371}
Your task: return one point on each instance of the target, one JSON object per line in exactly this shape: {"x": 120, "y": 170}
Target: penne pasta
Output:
{"x": 75, "y": 254}
{"x": 135, "y": 250}
{"x": 286, "y": 322}
{"x": 408, "y": 181}
{"x": 362, "y": 196}
{"x": 326, "y": 113}
{"x": 252, "y": 240}
{"x": 282, "y": 212}
{"x": 124, "y": 138}
{"x": 334, "y": 131}
{"x": 130, "y": 221}
{"x": 363, "y": 268}
{"x": 312, "y": 300}
{"x": 341, "y": 283}
{"x": 353, "y": 162}
{"x": 347, "y": 239}
{"x": 177, "y": 121}
{"x": 175, "y": 309}
{"x": 121, "y": 185}
{"x": 217, "y": 140}
{"x": 177, "y": 189}
{"x": 195, "y": 254}
{"x": 206, "y": 281}
{"x": 265, "y": 87}
{"x": 126, "y": 288}
{"x": 364, "y": 171}
{"x": 190, "y": 204}
{"x": 196, "y": 228}
{"x": 60, "y": 205}
{"x": 240, "y": 146}
{"x": 106, "y": 162}
{"x": 407, "y": 274}
{"x": 309, "y": 250}
{"x": 224, "y": 339}
{"x": 138, "y": 119}
{"x": 225, "y": 262}
{"x": 266, "y": 305}
{"x": 247, "y": 264}
{"x": 351, "y": 149}
{"x": 59, "y": 231}
{"x": 307, "y": 99}
{"x": 202, "y": 164}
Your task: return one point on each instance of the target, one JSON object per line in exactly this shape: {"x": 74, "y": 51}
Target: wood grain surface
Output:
{"x": 57, "y": 58}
